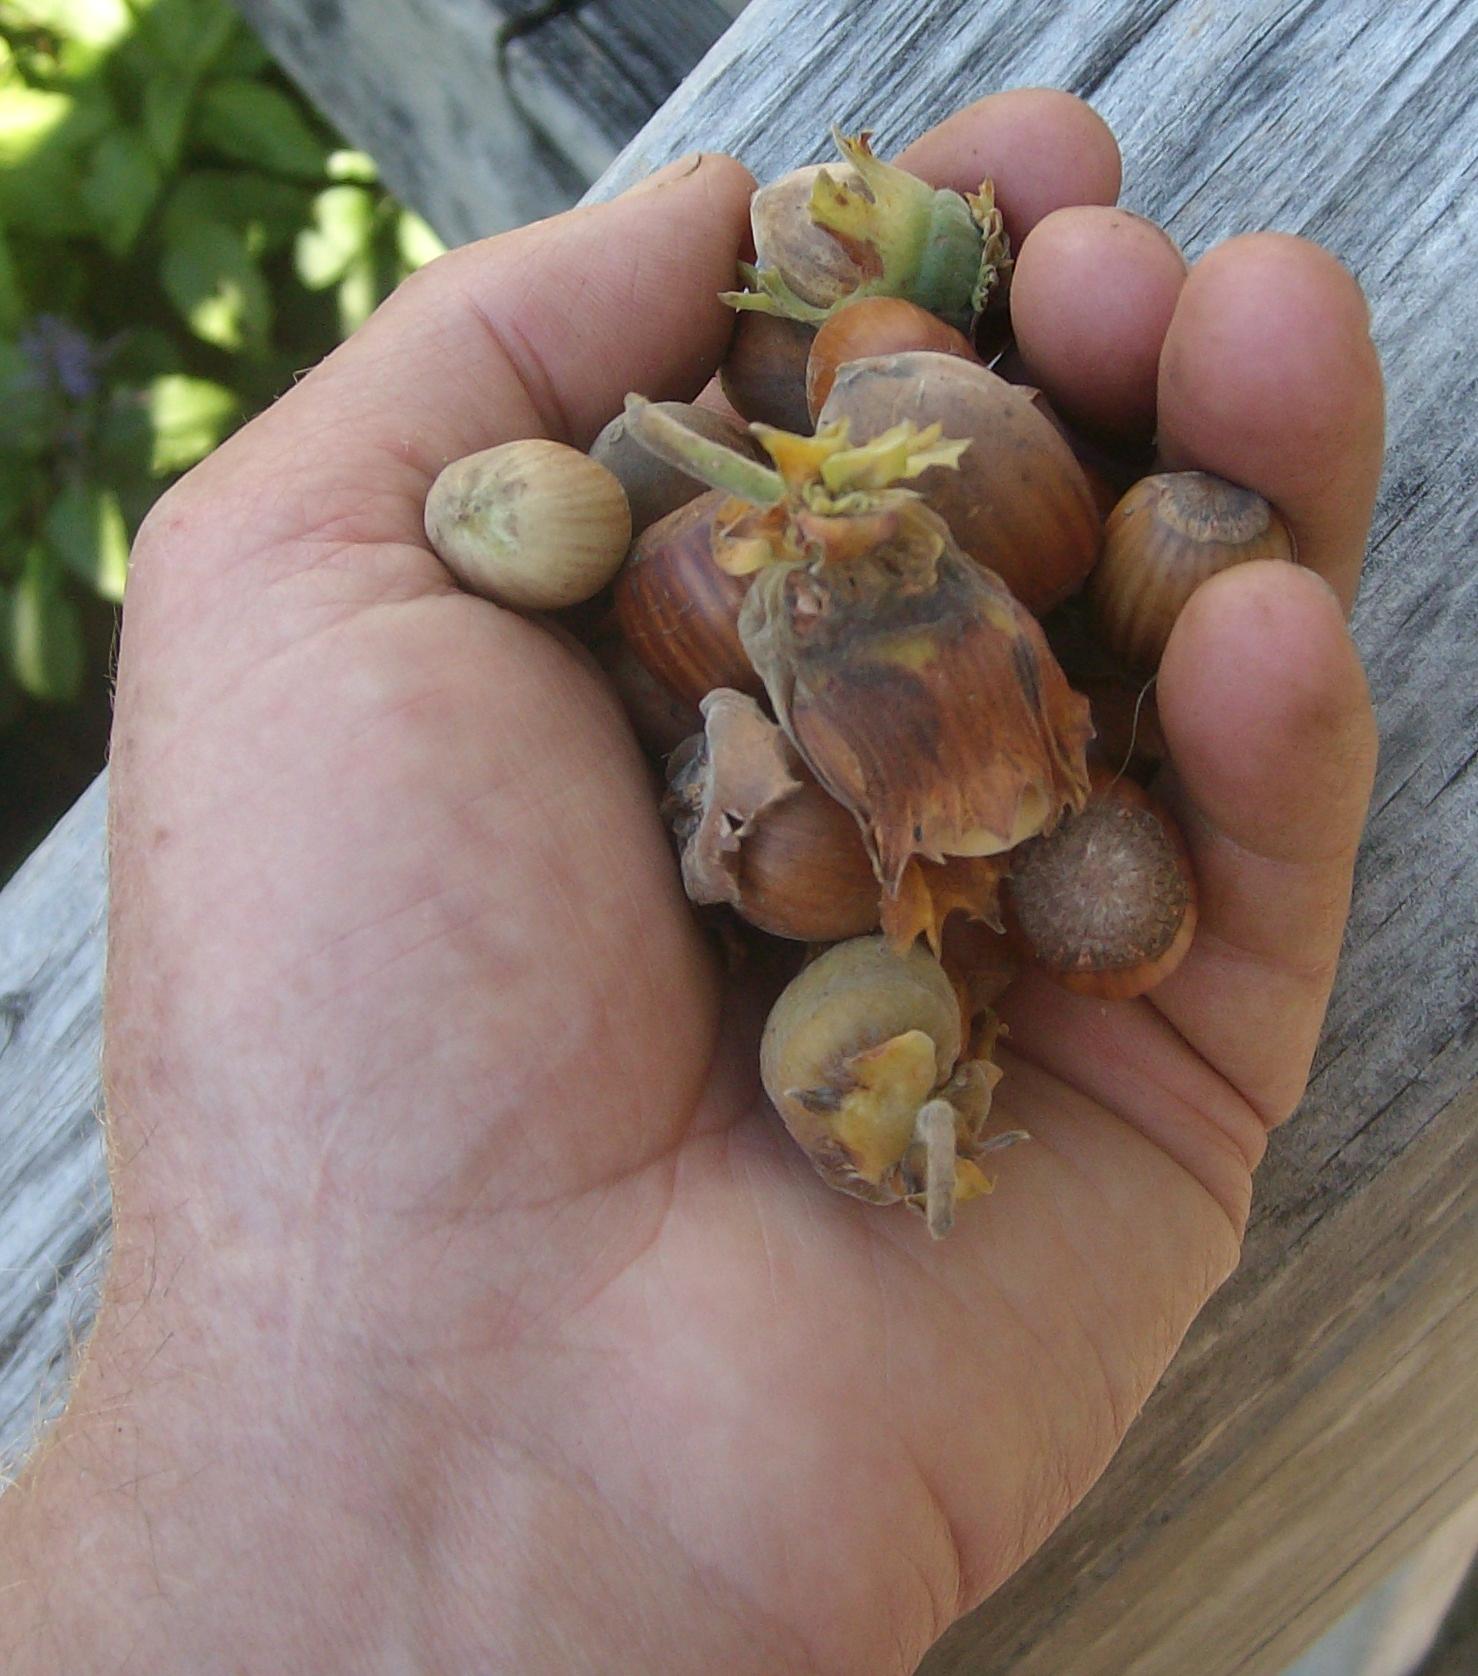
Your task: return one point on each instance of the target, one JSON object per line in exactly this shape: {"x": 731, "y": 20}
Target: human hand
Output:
{"x": 469, "y": 1311}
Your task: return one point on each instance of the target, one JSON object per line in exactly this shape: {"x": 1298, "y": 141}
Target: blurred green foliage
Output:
{"x": 180, "y": 236}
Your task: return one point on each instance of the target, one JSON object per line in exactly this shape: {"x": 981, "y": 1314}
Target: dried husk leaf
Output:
{"x": 920, "y": 694}
{"x": 929, "y": 892}
{"x": 720, "y": 782}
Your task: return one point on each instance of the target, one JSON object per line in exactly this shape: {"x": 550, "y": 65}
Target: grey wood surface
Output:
{"x": 485, "y": 114}
{"x": 1317, "y": 1423}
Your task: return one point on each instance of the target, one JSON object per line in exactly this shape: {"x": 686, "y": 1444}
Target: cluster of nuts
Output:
{"x": 895, "y": 659}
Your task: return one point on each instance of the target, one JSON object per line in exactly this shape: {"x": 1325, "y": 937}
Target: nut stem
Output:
{"x": 712, "y": 462}
{"x": 934, "y": 1129}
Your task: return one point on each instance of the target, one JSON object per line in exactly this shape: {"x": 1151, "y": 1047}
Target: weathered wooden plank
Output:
{"x": 479, "y": 125}
{"x": 1315, "y": 1428}
{"x": 416, "y": 84}
{"x": 1354, "y": 122}
{"x": 53, "y": 1191}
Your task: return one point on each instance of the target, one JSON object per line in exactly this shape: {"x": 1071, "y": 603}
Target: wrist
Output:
{"x": 206, "y": 1506}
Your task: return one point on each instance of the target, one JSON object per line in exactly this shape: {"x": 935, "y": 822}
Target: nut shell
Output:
{"x": 659, "y": 718}
{"x": 1168, "y": 534}
{"x": 874, "y": 326}
{"x": 815, "y": 266}
{"x": 763, "y": 376}
{"x": 531, "y": 524}
{"x": 1018, "y": 502}
{"x": 757, "y": 832}
{"x": 679, "y": 612}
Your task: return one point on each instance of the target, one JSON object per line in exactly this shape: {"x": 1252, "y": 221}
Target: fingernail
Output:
{"x": 678, "y": 170}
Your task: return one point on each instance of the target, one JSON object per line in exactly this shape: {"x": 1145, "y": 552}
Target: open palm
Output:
{"x": 440, "y": 1156}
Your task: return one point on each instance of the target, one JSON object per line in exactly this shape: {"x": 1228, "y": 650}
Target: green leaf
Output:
{"x": 190, "y": 416}
{"x": 191, "y": 35}
{"x": 42, "y": 138}
{"x": 258, "y": 125}
{"x": 85, "y": 526}
{"x": 120, "y": 188}
{"x": 342, "y": 231}
{"x": 166, "y": 110}
{"x": 10, "y": 698}
{"x": 142, "y": 353}
{"x": 241, "y": 54}
{"x": 27, "y": 412}
{"x": 12, "y": 297}
{"x": 18, "y": 480}
{"x": 45, "y": 632}
{"x": 240, "y": 198}
{"x": 210, "y": 277}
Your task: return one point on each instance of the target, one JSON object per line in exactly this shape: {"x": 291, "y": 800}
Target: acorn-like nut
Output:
{"x": 1167, "y": 535}
{"x": 873, "y": 326}
{"x": 824, "y": 235}
{"x": 865, "y": 1058}
{"x": 679, "y": 612}
{"x": 658, "y": 717}
{"x": 1106, "y": 904}
{"x": 655, "y": 487}
{"x": 817, "y": 267}
{"x": 531, "y": 524}
{"x": 917, "y": 689}
{"x": 757, "y": 832}
{"x": 1018, "y": 503}
{"x": 763, "y": 375}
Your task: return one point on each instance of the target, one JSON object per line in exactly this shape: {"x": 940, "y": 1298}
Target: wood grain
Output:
{"x": 1317, "y": 1423}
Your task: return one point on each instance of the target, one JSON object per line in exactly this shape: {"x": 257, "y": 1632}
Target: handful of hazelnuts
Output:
{"x": 894, "y": 640}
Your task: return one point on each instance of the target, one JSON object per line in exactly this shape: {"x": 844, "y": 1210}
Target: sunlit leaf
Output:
{"x": 355, "y": 167}
{"x": 120, "y": 188}
{"x": 190, "y": 416}
{"x": 86, "y": 528}
{"x": 358, "y": 293}
{"x": 259, "y": 125}
{"x": 342, "y": 231}
{"x": 96, "y": 23}
{"x": 30, "y": 117}
{"x": 210, "y": 277}
{"x": 416, "y": 241}
{"x": 44, "y": 631}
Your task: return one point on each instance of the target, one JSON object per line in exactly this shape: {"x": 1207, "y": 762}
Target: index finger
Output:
{"x": 1268, "y": 377}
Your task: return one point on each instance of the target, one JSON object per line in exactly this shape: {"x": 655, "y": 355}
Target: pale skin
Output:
{"x": 469, "y": 1311}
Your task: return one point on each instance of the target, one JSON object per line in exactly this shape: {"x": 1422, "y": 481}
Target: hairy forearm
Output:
{"x": 204, "y": 1510}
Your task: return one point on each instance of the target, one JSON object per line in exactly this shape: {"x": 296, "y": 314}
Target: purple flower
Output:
{"x": 62, "y": 358}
